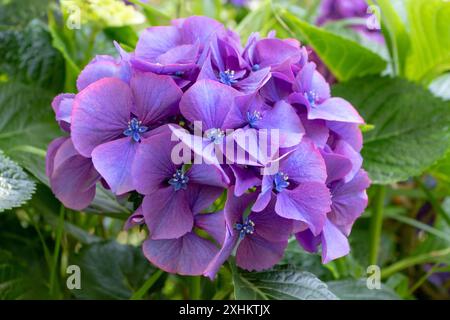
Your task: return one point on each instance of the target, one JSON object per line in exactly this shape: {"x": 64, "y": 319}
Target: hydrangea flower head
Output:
{"x": 233, "y": 149}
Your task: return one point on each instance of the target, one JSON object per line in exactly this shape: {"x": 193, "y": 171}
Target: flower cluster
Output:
{"x": 134, "y": 113}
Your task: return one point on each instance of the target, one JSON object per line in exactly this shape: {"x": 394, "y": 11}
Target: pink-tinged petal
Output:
{"x": 349, "y": 199}
{"x": 158, "y": 68}
{"x": 167, "y": 213}
{"x": 208, "y": 101}
{"x": 308, "y": 241}
{"x": 338, "y": 166}
{"x": 304, "y": 164}
{"x": 184, "y": 54}
{"x": 156, "y": 41}
{"x": 282, "y": 117}
{"x": 231, "y": 239}
{"x": 73, "y": 177}
{"x": 213, "y": 224}
{"x": 200, "y": 29}
{"x": 272, "y": 52}
{"x": 200, "y": 197}
{"x": 153, "y": 165}
{"x": 335, "y": 109}
{"x": 156, "y": 97}
{"x": 304, "y": 79}
{"x": 103, "y": 67}
{"x": 349, "y": 132}
{"x": 207, "y": 174}
{"x": 136, "y": 219}
{"x": 114, "y": 160}
{"x": 62, "y": 106}
{"x": 255, "y": 81}
{"x": 187, "y": 255}
{"x": 316, "y": 130}
{"x": 345, "y": 149}
{"x": 100, "y": 114}
{"x": 245, "y": 179}
{"x": 254, "y": 253}
{"x": 309, "y": 202}
{"x": 334, "y": 243}
{"x": 265, "y": 222}
{"x": 52, "y": 149}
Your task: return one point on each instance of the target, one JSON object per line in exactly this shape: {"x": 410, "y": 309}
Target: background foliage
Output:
{"x": 401, "y": 88}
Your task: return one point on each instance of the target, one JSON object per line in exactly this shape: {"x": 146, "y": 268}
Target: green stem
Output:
{"x": 433, "y": 256}
{"x": 376, "y": 224}
{"x": 147, "y": 285}
{"x": 195, "y": 288}
{"x": 59, "y": 233}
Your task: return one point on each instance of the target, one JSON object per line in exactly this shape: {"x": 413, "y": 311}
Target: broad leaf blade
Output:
{"x": 358, "y": 290}
{"x": 344, "y": 57}
{"x": 411, "y": 131}
{"x": 280, "y": 283}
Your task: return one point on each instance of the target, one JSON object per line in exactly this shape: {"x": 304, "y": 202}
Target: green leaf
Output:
{"x": 28, "y": 56}
{"x": 395, "y": 34}
{"x": 110, "y": 270}
{"x": 27, "y": 125}
{"x": 15, "y": 186}
{"x": 412, "y": 127}
{"x": 344, "y": 57}
{"x": 357, "y": 290}
{"x": 279, "y": 283}
{"x": 430, "y": 39}
{"x": 12, "y": 12}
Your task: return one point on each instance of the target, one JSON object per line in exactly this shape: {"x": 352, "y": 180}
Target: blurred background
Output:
{"x": 356, "y": 44}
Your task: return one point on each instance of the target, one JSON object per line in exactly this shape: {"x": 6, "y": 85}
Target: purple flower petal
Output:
{"x": 209, "y": 102}
{"x": 272, "y": 52}
{"x": 334, "y": 243}
{"x": 62, "y": 106}
{"x": 136, "y": 219}
{"x": 256, "y": 253}
{"x": 114, "y": 160}
{"x": 156, "y": 97}
{"x": 245, "y": 179}
{"x": 201, "y": 197}
{"x": 213, "y": 224}
{"x": 100, "y": 114}
{"x": 156, "y": 41}
{"x": 72, "y": 176}
{"x": 308, "y": 241}
{"x": 187, "y": 255}
{"x": 167, "y": 213}
{"x": 335, "y": 109}
{"x": 309, "y": 202}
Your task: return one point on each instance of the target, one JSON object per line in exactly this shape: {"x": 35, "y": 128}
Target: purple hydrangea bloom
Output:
{"x": 110, "y": 117}
{"x": 294, "y": 170}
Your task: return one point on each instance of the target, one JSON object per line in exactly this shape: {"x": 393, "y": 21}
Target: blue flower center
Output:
{"x": 312, "y": 97}
{"x": 215, "y": 135}
{"x": 227, "y": 77}
{"x": 135, "y": 129}
{"x": 179, "y": 180}
{"x": 255, "y": 67}
{"x": 248, "y": 227}
{"x": 280, "y": 181}
{"x": 179, "y": 73}
{"x": 253, "y": 117}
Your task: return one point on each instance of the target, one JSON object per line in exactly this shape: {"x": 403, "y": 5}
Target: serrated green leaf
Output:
{"x": 16, "y": 187}
{"x": 430, "y": 39}
{"x": 358, "y": 290}
{"x": 27, "y": 55}
{"x": 280, "y": 283}
{"x": 110, "y": 270}
{"x": 346, "y": 58}
{"x": 412, "y": 127}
